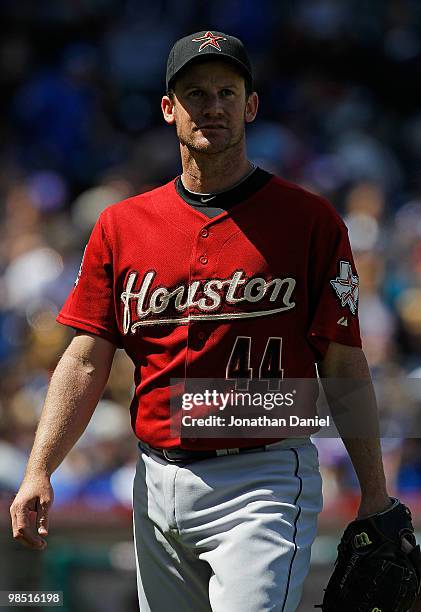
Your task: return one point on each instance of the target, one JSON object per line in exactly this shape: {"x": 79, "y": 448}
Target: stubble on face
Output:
{"x": 209, "y": 141}
{"x": 199, "y": 143}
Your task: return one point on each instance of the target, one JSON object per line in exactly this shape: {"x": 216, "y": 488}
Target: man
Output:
{"x": 226, "y": 272}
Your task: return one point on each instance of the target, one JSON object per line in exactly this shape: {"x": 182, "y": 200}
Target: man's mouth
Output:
{"x": 211, "y": 127}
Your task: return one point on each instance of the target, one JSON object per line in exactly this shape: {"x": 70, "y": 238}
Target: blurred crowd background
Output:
{"x": 81, "y": 128}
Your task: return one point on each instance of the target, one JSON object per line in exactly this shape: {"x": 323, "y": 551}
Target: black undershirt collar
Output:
{"x": 213, "y": 204}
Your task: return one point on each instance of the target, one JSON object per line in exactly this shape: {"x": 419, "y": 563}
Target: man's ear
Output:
{"x": 168, "y": 108}
{"x": 252, "y": 105}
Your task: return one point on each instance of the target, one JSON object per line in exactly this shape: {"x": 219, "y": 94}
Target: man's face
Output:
{"x": 210, "y": 107}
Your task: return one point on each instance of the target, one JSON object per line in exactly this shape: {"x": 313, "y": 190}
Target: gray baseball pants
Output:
{"x": 226, "y": 534}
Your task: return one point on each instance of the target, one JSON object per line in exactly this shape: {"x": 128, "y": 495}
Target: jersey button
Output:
{"x": 201, "y": 335}
{"x": 204, "y": 233}
{"x": 203, "y": 260}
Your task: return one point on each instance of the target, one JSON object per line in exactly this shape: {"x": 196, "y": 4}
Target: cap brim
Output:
{"x": 212, "y": 57}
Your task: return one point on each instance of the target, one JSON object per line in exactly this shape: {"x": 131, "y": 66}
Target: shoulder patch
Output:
{"x": 346, "y": 287}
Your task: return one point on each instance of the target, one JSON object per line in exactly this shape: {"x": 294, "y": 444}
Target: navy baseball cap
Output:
{"x": 208, "y": 45}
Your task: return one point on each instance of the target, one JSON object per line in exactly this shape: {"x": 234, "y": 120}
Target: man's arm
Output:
{"x": 341, "y": 362}
{"x": 75, "y": 388}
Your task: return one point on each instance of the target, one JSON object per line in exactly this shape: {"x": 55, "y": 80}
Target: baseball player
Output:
{"x": 227, "y": 272}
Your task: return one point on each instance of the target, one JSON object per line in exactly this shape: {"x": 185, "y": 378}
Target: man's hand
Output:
{"x": 35, "y": 496}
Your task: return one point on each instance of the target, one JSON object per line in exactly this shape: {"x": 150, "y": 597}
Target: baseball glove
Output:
{"x": 378, "y": 565}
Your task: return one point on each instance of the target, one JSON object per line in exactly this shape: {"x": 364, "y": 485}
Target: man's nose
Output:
{"x": 213, "y": 104}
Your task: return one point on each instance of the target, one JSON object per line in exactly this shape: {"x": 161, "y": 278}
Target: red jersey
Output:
{"x": 176, "y": 290}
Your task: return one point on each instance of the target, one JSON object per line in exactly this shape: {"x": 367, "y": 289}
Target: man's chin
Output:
{"x": 211, "y": 145}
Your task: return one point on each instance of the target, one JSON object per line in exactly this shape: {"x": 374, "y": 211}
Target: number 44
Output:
{"x": 238, "y": 367}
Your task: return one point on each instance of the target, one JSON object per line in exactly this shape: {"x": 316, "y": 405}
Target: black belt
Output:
{"x": 182, "y": 455}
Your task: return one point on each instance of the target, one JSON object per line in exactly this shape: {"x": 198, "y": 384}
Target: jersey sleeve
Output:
{"x": 90, "y": 304}
{"x": 333, "y": 289}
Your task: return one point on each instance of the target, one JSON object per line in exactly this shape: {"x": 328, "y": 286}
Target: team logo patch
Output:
{"x": 209, "y": 40}
{"x": 346, "y": 286}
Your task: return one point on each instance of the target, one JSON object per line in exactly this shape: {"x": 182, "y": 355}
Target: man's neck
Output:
{"x": 213, "y": 173}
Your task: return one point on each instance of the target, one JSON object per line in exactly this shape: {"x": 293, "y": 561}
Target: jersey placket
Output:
{"x": 206, "y": 265}
{"x": 202, "y": 268}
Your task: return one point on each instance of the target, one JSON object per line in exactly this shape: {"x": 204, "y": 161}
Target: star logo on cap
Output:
{"x": 346, "y": 286}
{"x": 209, "y": 40}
